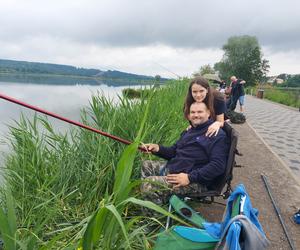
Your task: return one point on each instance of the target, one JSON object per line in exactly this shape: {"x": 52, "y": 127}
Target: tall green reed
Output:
{"x": 108, "y": 218}
{"x": 8, "y": 222}
{"x": 66, "y": 175}
{"x": 14, "y": 237}
{"x": 109, "y": 221}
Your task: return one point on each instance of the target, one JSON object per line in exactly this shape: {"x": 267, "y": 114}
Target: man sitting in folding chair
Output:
{"x": 195, "y": 161}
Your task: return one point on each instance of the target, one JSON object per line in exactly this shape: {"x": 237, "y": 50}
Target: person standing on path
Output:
{"x": 241, "y": 92}
{"x": 237, "y": 94}
{"x": 233, "y": 81}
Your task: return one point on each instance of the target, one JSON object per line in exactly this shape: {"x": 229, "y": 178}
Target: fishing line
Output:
{"x": 78, "y": 124}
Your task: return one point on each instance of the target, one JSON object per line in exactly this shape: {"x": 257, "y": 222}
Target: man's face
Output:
{"x": 198, "y": 114}
{"x": 233, "y": 79}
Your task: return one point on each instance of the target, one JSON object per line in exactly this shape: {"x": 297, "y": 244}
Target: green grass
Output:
{"x": 289, "y": 98}
{"x": 286, "y": 97}
{"x": 60, "y": 182}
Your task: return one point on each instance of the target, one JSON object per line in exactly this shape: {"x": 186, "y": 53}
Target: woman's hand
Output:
{"x": 188, "y": 128}
{"x": 213, "y": 129}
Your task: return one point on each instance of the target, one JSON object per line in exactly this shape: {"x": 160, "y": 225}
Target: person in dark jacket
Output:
{"x": 237, "y": 94}
{"x": 195, "y": 161}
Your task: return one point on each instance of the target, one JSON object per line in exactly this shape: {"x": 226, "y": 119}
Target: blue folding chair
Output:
{"x": 240, "y": 228}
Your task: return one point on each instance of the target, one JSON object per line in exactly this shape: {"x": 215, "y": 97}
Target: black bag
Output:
{"x": 235, "y": 117}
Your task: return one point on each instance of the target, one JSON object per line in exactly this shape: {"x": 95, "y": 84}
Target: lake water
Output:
{"x": 64, "y": 100}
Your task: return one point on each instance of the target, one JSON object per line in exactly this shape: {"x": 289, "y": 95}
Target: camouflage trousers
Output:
{"x": 157, "y": 189}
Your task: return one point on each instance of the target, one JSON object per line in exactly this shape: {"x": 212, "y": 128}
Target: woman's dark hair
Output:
{"x": 208, "y": 100}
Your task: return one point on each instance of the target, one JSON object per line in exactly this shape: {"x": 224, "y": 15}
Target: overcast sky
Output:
{"x": 147, "y": 36}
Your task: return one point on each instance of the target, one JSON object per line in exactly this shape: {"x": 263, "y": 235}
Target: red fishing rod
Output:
{"x": 116, "y": 138}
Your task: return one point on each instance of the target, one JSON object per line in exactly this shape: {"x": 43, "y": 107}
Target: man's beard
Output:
{"x": 196, "y": 123}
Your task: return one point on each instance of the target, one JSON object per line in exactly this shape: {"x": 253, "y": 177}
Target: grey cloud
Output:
{"x": 129, "y": 23}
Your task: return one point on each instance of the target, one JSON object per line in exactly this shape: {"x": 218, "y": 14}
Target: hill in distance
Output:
{"x": 12, "y": 67}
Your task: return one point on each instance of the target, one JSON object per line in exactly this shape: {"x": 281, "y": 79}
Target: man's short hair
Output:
{"x": 189, "y": 108}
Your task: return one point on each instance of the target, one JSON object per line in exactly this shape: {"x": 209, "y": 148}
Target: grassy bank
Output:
{"x": 289, "y": 97}
{"x": 57, "y": 181}
{"x": 286, "y": 97}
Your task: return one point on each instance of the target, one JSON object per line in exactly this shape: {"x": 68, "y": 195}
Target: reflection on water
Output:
{"x": 47, "y": 79}
{"x": 64, "y": 100}
{"x": 72, "y": 80}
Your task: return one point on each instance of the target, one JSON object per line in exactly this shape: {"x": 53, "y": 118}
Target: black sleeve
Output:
{"x": 217, "y": 163}
{"x": 219, "y": 106}
{"x": 168, "y": 152}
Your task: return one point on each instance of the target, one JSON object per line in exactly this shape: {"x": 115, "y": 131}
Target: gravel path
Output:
{"x": 260, "y": 158}
{"x": 279, "y": 127}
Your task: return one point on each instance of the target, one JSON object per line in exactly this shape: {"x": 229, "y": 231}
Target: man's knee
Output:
{"x": 193, "y": 188}
{"x": 155, "y": 189}
{"x": 152, "y": 183}
{"x": 151, "y": 168}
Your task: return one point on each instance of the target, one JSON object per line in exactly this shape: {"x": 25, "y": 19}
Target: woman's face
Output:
{"x": 198, "y": 92}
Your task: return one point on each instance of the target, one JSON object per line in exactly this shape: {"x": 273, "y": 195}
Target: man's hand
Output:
{"x": 150, "y": 147}
{"x": 179, "y": 180}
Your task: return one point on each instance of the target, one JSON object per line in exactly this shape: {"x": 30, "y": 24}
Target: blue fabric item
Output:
{"x": 232, "y": 238}
{"x": 216, "y": 229}
{"x": 194, "y": 234}
{"x": 297, "y": 217}
{"x": 213, "y": 228}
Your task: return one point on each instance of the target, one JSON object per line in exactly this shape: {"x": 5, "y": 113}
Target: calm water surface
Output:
{"x": 64, "y": 100}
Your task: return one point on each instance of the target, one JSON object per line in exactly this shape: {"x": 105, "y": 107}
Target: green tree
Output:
{"x": 293, "y": 81}
{"x": 157, "y": 78}
{"x": 205, "y": 69}
{"x": 284, "y": 76}
{"x": 243, "y": 58}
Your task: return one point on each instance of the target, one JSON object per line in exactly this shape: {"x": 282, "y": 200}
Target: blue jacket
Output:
{"x": 203, "y": 158}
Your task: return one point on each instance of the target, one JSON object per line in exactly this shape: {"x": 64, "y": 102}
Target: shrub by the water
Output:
{"x": 131, "y": 93}
{"x": 137, "y": 93}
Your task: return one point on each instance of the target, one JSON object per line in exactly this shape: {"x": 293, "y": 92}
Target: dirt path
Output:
{"x": 259, "y": 159}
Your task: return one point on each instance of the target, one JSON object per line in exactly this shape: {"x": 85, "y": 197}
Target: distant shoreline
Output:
{"x": 20, "y": 71}
{"x": 42, "y": 74}
{"x": 64, "y": 79}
